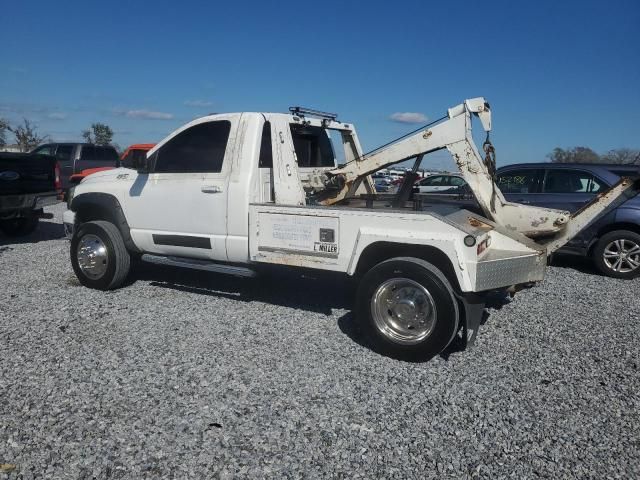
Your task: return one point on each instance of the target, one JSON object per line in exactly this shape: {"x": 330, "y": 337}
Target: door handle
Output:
{"x": 211, "y": 189}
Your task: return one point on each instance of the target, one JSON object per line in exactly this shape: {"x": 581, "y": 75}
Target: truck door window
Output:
{"x": 199, "y": 149}
{"x": 266, "y": 153}
{"x": 571, "y": 181}
{"x": 520, "y": 181}
{"x": 313, "y": 146}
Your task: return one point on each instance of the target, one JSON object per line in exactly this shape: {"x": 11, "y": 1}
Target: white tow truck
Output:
{"x": 235, "y": 193}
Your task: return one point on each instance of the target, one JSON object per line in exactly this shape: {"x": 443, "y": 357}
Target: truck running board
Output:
{"x": 198, "y": 264}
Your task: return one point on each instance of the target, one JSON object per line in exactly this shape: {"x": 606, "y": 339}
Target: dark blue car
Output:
{"x": 612, "y": 241}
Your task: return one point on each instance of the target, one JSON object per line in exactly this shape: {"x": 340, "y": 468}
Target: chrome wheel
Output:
{"x": 403, "y": 311}
{"x": 92, "y": 256}
{"x": 622, "y": 255}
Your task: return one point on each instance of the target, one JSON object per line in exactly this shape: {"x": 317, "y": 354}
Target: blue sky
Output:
{"x": 556, "y": 73}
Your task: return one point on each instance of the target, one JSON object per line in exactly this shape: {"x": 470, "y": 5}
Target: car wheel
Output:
{"x": 99, "y": 257}
{"x": 406, "y": 308}
{"x": 19, "y": 226}
{"x": 617, "y": 254}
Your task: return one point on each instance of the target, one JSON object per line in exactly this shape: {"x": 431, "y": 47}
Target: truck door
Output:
{"x": 180, "y": 207}
{"x": 64, "y": 156}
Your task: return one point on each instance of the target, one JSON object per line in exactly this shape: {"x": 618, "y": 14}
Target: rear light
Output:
{"x": 483, "y": 245}
{"x": 57, "y": 183}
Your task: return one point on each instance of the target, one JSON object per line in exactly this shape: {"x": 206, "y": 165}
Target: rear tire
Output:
{"x": 617, "y": 254}
{"x": 99, "y": 257}
{"x": 406, "y": 308}
{"x": 19, "y": 226}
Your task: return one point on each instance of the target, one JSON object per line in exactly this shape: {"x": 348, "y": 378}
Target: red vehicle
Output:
{"x": 129, "y": 159}
{"x": 133, "y": 155}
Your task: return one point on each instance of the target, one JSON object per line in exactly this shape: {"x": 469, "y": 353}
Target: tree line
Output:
{"x": 27, "y": 137}
{"x": 618, "y": 156}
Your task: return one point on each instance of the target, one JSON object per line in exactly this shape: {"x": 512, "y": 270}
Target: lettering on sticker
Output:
{"x": 325, "y": 247}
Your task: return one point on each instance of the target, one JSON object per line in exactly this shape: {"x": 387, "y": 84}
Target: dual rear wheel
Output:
{"x": 407, "y": 309}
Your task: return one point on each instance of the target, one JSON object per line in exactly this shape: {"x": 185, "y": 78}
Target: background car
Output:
{"x": 382, "y": 184}
{"x": 131, "y": 158}
{"x": 76, "y": 157}
{"x": 613, "y": 240}
{"x": 436, "y": 183}
{"x": 135, "y": 154}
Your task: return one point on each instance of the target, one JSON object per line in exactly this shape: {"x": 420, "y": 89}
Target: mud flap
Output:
{"x": 473, "y": 307}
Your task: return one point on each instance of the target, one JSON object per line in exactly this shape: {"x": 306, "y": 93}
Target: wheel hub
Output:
{"x": 622, "y": 255}
{"x": 403, "y": 311}
{"x": 92, "y": 256}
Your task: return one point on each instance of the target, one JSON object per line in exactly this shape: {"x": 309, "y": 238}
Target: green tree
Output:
{"x": 574, "y": 155}
{"x": 99, "y": 134}
{"x": 27, "y": 136}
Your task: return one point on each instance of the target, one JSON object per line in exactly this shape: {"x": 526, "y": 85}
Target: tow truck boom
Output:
{"x": 552, "y": 228}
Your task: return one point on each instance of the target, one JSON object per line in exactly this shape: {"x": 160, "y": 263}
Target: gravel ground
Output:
{"x": 188, "y": 375}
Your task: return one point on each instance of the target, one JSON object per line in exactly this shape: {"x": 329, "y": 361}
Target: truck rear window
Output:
{"x": 94, "y": 153}
{"x": 313, "y": 146}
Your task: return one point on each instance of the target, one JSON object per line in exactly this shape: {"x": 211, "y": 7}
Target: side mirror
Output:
{"x": 146, "y": 164}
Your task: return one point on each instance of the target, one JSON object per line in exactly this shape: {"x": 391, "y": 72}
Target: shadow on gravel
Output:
{"x": 319, "y": 295}
{"x": 46, "y": 231}
{"x": 575, "y": 262}
{"x": 495, "y": 301}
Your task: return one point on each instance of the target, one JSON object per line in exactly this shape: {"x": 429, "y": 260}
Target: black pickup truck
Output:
{"x": 28, "y": 182}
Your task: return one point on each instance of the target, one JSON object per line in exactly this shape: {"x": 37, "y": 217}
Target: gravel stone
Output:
{"x": 183, "y": 374}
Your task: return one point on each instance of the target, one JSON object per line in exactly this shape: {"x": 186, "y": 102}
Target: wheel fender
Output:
{"x": 104, "y": 206}
{"x": 443, "y": 242}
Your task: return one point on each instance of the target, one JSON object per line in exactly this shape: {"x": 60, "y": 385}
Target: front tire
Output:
{"x": 617, "y": 254}
{"x": 19, "y": 226}
{"x": 407, "y": 309}
{"x": 99, "y": 257}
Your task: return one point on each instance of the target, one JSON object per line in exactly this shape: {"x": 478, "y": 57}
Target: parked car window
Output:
{"x": 456, "y": 181}
{"x": 435, "y": 181}
{"x": 313, "y": 146}
{"x": 63, "y": 153}
{"x": 45, "y": 150}
{"x": 519, "y": 181}
{"x": 571, "y": 181}
{"x": 266, "y": 155}
{"x": 200, "y": 148}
